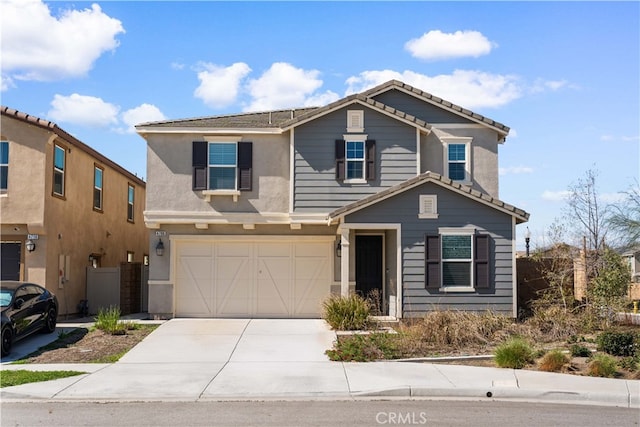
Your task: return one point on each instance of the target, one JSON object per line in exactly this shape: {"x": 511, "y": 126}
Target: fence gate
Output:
{"x": 103, "y": 288}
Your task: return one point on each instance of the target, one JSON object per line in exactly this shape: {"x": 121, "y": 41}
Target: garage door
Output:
{"x": 276, "y": 277}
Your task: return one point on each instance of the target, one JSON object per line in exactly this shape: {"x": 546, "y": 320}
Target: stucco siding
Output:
{"x": 454, "y": 210}
{"x": 169, "y": 166}
{"x": 316, "y": 187}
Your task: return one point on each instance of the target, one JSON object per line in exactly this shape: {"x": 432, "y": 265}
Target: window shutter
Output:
{"x": 340, "y": 159}
{"x": 481, "y": 261}
{"x": 370, "y": 158}
{"x": 432, "y": 261}
{"x": 199, "y": 163}
{"x": 245, "y": 165}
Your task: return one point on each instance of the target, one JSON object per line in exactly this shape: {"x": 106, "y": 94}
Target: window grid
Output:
{"x": 222, "y": 166}
{"x": 355, "y": 159}
{"x": 457, "y": 253}
{"x": 59, "y": 161}
{"x": 4, "y": 165}
{"x": 457, "y": 157}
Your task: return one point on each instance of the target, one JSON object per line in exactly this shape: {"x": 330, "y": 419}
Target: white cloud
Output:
{"x": 436, "y": 45}
{"x": 467, "y": 88}
{"x": 39, "y": 46}
{"x": 555, "y": 196}
{"x": 515, "y": 170}
{"x": 623, "y": 138}
{"x": 541, "y": 85}
{"x": 284, "y": 85}
{"x": 220, "y": 86}
{"x": 83, "y": 110}
{"x": 613, "y": 197}
{"x": 141, "y": 114}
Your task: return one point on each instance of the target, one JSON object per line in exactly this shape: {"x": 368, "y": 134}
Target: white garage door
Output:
{"x": 274, "y": 277}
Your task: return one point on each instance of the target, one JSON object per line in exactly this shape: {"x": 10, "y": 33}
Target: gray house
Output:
{"x": 391, "y": 192}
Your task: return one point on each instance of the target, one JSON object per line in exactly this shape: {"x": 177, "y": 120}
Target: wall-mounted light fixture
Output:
{"x": 30, "y": 245}
{"x": 527, "y": 238}
{"x": 339, "y": 249}
{"x": 160, "y": 248}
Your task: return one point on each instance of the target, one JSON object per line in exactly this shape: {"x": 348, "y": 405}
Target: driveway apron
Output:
{"x": 186, "y": 359}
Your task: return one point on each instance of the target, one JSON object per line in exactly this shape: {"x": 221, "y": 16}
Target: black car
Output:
{"x": 26, "y": 308}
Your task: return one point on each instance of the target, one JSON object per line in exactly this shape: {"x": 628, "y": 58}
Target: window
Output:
{"x": 98, "y": 172}
{"x": 457, "y": 164}
{"x": 130, "y": 202}
{"x": 59, "y": 160}
{"x": 129, "y": 256}
{"x": 222, "y": 166}
{"x": 428, "y": 208}
{"x": 4, "y": 165}
{"x": 457, "y": 260}
{"x": 355, "y": 159}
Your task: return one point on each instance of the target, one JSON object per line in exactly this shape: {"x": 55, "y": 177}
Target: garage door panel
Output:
{"x": 268, "y": 278}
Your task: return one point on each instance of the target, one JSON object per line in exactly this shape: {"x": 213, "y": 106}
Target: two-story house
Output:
{"x": 64, "y": 207}
{"x": 391, "y": 192}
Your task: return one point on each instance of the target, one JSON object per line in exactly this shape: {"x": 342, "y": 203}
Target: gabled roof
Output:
{"x": 52, "y": 127}
{"x": 427, "y": 97}
{"x": 519, "y": 214}
{"x": 282, "y": 120}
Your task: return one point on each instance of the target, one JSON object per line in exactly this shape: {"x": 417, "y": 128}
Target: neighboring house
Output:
{"x": 633, "y": 258}
{"x": 64, "y": 207}
{"x": 391, "y": 192}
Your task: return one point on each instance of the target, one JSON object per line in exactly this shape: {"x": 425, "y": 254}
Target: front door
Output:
{"x": 369, "y": 269}
{"x": 10, "y": 267}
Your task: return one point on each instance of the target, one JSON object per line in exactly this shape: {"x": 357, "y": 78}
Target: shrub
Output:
{"x": 515, "y": 353}
{"x": 623, "y": 344}
{"x": 631, "y": 364}
{"x": 579, "y": 351}
{"x": 108, "y": 321}
{"x": 365, "y": 348}
{"x": 602, "y": 365}
{"x": 553, "y": 361}
{"x": 346, "y": 313}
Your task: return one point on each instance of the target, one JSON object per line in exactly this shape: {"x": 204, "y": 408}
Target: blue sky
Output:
{"x": 563, "y": 75}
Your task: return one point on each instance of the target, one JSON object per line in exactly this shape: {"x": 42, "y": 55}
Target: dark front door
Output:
{"x": 369, "y": 268}
{"x": 10, "y": 264}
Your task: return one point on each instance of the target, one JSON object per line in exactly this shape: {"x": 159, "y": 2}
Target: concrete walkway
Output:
{"x": 240, "y": 359}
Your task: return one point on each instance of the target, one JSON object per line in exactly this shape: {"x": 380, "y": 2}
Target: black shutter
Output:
{"x": 340, "y": 159}
{"x": 245, "y": 165}
{"x": 370, "y": 158}
{"x": 199, "y": 162}
{"x": 481, "y": 262}
{"x": 432, "y": 261}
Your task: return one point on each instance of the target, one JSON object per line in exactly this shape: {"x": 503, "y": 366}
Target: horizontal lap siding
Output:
{"x": 316, "y": 188}
{"x": 418, "y": 108}
{"x": 454, "y": 210}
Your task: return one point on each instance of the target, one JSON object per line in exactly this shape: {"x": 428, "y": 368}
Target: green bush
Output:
{"x": 602, "y": 365}
{"x": 347, "y": 313}
{"x": 623, "y": 344}
{"x": 631, "y": 364}
{"x": 515, "y": 353}
{"x": 108, "y": 320}
{"x": 365, "y": 348}
{"x": 553, "y": 361}
{"x": 579, "y": 351}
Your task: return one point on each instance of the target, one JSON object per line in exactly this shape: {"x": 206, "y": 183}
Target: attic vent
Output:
{"x": 355, "y": 121}
{"x": 428, "y": 208}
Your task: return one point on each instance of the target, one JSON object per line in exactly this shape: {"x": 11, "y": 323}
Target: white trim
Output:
{"x": 292, "y": 166}
{"x": 231, "y": 138}
{"x": 160, "y": 282}
{"x": 355, "y": 137}
{"x": 243, "y": 238}
{"x": 514, "y": 268}
{"x": 208, "y": 194}
{"x": 457, "y": 231}
{"x": 359, "y": 115}
{"x": 433, "y": 214}
{"x": 458, "y": 289}
{"x": 418, "y": 153}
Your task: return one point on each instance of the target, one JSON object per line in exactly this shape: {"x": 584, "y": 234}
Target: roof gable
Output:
{"x": 519, "y": 214}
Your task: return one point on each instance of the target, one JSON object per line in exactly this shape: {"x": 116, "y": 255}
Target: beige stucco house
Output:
{"x": 64, "y": 207}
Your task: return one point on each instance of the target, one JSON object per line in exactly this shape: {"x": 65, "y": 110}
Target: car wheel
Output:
{"x": 7, "y": 340}
{"x": 50, "y": 321}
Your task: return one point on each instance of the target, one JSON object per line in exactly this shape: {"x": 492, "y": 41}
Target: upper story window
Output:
{"x": 130, "y": 202}
{"x": 355, "y": 159}
{"x": 355, "y": 120}
{"x": 59, "y": 169}
{"x": 98, "y": 173}
{"x": 4, "y": 166}
{"x": 222, "y": 166}
{"x": 457, "y": 163}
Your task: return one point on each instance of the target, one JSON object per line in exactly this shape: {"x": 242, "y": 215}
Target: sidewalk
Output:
{"x": 239, "y": 359}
